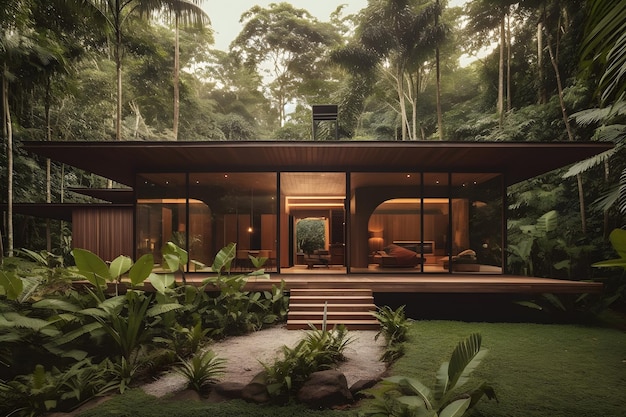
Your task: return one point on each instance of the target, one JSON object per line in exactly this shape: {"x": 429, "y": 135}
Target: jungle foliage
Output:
{"x": 64, "y": 344}
{"x": 556, "y": 74}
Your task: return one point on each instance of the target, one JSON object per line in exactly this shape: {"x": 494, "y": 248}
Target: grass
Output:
{"x": 136, "y": 403}
{"x": 538, "y": 370}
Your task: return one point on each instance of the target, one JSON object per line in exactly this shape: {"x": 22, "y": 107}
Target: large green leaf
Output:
{"x": 174, "y": 256}
{"x": 413, "y": 385}
{"x": 91, "y": 267}
{"x": 547, "y": 222}
{"x": 618, "y": 240}
{"x": 13, "y": 319}
{"x": 12, "y": 284}
{"x": 456, "y": 408}
{"x": 224, "y": 257}
{"x": 465, "y": 358}
{"x": 161, "y": 282}
{"x": 119, "y": 266}
{"x": 159, "y": 309}
{"x": 141, "y": 269}
{"x": 56, "y": 304}
{"x": 442, "y": 380}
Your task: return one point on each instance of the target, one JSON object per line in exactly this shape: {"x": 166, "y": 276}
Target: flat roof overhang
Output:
{"x": 120, "y": 161}
{"x": 57, "y": 211}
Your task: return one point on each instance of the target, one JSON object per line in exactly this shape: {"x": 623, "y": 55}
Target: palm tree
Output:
{"x": 14, "y": 17}
{"x": 604, "y": 47}
{"x": 186, "y": 13}
{"x": 484, "y": 17}
{"x": 400, "y": 33}
{"x": 117, "y": 12}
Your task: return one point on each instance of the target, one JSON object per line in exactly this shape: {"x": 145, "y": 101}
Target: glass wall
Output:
{"x": 242, "y": 210}
{"x": 161, "y": 212}
{"x": 477, "y": 223}
{"x": 442, "y": 222}
{"x": 222, "y": 208}
{"x": 410, "y": 210}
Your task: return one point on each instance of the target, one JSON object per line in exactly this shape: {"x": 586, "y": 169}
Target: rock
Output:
{"x": 229, "y": 389}
{"x": 362, "y": 384}
{"x": 256, "y": 390}
{"x": 186, "y": 395}
{"x": 325, "y": 389}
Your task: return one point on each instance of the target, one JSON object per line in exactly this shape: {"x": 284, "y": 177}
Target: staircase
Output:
{"x": 350, "y": 307}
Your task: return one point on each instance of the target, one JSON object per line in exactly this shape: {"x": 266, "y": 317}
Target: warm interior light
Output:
{"x": 168, "y": 201}
{"x": 318, "y": 201}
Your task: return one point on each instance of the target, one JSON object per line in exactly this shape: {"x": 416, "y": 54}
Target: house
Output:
{"x": 441, "y": 203}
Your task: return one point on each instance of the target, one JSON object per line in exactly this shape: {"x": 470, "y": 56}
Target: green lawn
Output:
{"x": 538, "y": 370}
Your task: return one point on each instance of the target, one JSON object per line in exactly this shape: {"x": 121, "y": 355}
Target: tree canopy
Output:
{"x": 552, "y": 70}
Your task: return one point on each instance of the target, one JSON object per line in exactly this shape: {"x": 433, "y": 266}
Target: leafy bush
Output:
{"x": 317, "y": 351}
{"x": 201, "y": 370}
{"x": 394, "y": 327}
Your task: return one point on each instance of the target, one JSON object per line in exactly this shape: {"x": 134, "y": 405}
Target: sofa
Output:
{"x": 465, "y": 261}
{"x": 394, "y": 256}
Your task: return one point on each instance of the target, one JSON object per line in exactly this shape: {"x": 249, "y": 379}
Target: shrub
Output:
{"x": 394, "y": 327}
{"x": 201, "y": 370}
{"x": 317, "y": 351}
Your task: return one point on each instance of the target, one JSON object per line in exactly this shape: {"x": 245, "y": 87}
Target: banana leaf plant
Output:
{"x": 98, "y": 273}
{"x": 618, "y": 241}
{"x": 445, "y": 400}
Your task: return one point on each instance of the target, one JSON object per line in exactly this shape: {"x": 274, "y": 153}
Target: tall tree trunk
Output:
{"x": 8, "y": 133}
{"x": 501, "y": 74}
{"x": 400, "y": 88}
{"x": 554, "y": 59}
{"x": 176, "y": 80}
{"x": 438, "y": 71}
{"x": 118, "y": 72}
{"x": 508, "y": 62}
{"x": 48, "y": 163}
{"x": 542, "y": 98}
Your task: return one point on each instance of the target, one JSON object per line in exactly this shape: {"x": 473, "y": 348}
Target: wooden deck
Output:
{"x": 425, "y": 283}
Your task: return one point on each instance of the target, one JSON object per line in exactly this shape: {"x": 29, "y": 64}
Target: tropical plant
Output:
{"x": 118, "y": 14}
{"x": 403, "y": 396}
{"x": 30, "y": 395}
{"x": 98, "y": 273}
{"x": 318, "y": 350}
{"x": 397, "y": 37}
{"x": 234, "y": 310}
{"x": 201, "y": 370}
{"x": 394, "y": 327}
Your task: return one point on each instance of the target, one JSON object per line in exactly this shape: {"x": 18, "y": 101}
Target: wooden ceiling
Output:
{"x": 120, "y": 161}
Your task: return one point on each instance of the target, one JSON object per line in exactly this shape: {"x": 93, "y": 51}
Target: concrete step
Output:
{"x": 350, "y": 324}
{"x": 330, "y": 315}
{"x": 334, "y": 292}
{"x": 347, "y": 306}
{"x": 332, "y": 307}
{"x": 321, "y": 299}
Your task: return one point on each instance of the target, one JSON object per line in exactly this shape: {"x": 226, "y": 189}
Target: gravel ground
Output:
{"x": 244, "y": 355}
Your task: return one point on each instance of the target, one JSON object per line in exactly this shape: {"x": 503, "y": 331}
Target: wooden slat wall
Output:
{"x": 107, "y": 232}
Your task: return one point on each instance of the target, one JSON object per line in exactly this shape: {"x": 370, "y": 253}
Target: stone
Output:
{"x": 229, "y": 389}
{"x": 256, "y": 390}
{"x": 325, "y": 389}
{"x": 363, "y": 384}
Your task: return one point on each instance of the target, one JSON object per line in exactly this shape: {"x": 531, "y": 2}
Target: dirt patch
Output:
{"x": 244, "y": 355}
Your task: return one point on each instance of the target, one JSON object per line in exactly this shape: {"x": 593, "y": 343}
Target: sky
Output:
{"x": 225, "y": 15}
